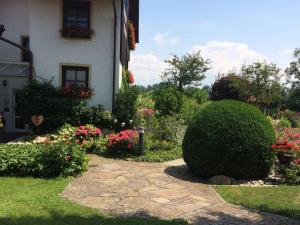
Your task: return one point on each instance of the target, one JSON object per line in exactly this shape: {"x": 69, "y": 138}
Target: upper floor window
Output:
{"x": 76, "y": 18}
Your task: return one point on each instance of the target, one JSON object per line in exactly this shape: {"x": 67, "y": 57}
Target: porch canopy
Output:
{"x": 14, "y": 69}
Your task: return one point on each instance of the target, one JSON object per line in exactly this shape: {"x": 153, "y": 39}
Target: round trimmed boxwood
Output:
{"x": 229, "y": 138}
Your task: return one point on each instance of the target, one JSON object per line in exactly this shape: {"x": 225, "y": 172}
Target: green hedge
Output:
{"x": 229, "y": 138}
{"x": 42, "y": 160}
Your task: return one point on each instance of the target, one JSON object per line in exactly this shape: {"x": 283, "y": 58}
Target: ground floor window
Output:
{"x": 75, "y": 75}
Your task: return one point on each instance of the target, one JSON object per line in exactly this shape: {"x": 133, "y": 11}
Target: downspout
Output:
{"x": 115, "y": 54}
{"x": 2, "y": 29}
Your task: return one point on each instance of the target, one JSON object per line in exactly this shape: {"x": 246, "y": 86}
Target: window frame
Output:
{"x": 65, "y": 68}
{"x": 75, "y": 30}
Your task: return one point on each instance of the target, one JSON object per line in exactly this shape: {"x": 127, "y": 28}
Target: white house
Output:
{"x": 72, "y": 41}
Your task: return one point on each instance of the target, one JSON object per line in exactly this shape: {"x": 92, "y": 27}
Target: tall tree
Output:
{"x": 293, "y": 72}
{"x": 188, "y": 70}
{"x": 264, "y": 81}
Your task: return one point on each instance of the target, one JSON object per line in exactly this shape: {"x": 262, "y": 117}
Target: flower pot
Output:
{"x": 285, "y": 158}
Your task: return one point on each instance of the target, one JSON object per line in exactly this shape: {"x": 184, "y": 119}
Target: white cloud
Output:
{"x": 147, "y": 68}
{"x": 227, "y": 56}
{"x": 165, "y": 39}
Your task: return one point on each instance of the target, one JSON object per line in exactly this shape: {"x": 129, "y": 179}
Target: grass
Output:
{"x": 284, "y": 200}
{"x": 159, "y": 156}
{"x": 37, "y": 202}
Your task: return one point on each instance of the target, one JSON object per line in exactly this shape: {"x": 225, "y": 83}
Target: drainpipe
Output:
{"x": 2, "y": 29}
{"x": 114, "y": 59}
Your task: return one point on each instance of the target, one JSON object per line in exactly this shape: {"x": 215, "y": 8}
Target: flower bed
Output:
{"x": 123, "y": 142}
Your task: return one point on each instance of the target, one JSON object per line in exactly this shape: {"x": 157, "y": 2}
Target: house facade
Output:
{"x": 81, "y": 42}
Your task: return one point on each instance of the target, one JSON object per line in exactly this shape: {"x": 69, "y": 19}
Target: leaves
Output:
{"x": 187, "y": 70}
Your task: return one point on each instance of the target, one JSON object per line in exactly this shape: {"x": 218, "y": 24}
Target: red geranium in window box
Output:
{"x": 77, "y": 32}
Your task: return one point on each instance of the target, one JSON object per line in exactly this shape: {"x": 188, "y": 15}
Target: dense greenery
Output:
{"x": 124, "y": 106}
{"x": 229, "y": 86}
{"x": 293, "y": 101}
{"x": 168, "y": 100}
{"x": 42, "y": 98}
{"x": 37, "y": 202}
{"x": 43, "y": 160}
{"x": 229, "y": 138}
{"x": 188, "y": 70}
{"x": 281, "y": 199}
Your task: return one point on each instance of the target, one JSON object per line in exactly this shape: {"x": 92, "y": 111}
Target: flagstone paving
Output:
{"x": 167, "y": 191}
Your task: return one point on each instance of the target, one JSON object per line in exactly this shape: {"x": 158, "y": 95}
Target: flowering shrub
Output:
{"x": 288, "y": 142}
{"x": 87, "y": 133}
{"x": 123, "y": 142}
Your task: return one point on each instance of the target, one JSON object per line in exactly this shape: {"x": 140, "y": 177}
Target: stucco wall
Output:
{"x": 51, "y": 50}
{"x": 14, "y": 15}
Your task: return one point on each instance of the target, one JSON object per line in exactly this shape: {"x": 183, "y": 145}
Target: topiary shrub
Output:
{"x": 229, "y": 138}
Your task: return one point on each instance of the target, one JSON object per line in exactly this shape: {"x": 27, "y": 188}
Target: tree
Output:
{"x": 188, "y": 70}
{"x": 264, "y": 81}
{"x": 293, "y": 72}
{"x": 230, "y": 86}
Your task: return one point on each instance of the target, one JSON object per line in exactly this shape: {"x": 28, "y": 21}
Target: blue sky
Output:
{"x": 230, "y": 33}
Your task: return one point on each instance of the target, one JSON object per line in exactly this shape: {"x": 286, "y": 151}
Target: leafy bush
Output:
{"x": 291, "y": 174}
{"x": 293, "y": 101}
{"x": 38, "y": 98}
{"x": 168, "y": 100}
{"x": 189, "y": 109}
{"x": 284, "y": 123}
{"x": 96, "y": 115}
{"x": 125, "y": 105}
{"x": 42, "y": 160}
{"x": 169, "y": 128}
{"x": 229, "y": 138}
{"x": 200, "y": 95}
{"x": 42, "y": 98}
{"x": 292, "y": 116}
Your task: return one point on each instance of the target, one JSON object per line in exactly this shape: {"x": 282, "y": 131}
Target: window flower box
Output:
{"x": 75, "y": 91}
{"x": 77, "y": 32}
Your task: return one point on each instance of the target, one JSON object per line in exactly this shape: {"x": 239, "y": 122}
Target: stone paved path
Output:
{"x": 167, "y": 191}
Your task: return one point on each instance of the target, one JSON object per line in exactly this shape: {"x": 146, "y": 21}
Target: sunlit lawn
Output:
{"x": 284, "y": 200}
{"x": 37, "y": 202}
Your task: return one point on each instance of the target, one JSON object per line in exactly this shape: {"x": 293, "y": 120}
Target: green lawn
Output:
{"x": 284, "y": 200}
{"x": 37, "y": 202}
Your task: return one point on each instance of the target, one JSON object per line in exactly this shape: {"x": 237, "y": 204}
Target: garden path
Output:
{"x": 164, "y": 190}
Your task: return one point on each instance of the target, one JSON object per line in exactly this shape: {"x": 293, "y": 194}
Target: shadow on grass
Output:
{"x": 57, "y": 218}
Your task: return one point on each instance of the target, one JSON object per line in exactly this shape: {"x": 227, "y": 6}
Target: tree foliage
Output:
{"x": 264, "y": 80}
{"x": 188, "y": 70}
{"x": 293, "y": 72}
